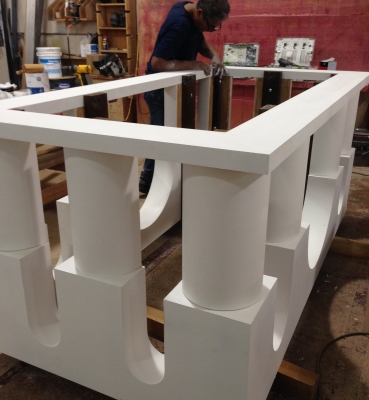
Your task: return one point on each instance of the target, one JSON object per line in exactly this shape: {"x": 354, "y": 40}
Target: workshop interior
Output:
{"x": 243, "y": 272}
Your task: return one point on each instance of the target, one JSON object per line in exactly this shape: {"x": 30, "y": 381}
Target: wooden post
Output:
{"x": 271, "y": 88}
{"x": 284, "y": 88}
{"x": 96, "y": 105}
{"x": 222, "y": 103}
{"x": 188, "y": 101}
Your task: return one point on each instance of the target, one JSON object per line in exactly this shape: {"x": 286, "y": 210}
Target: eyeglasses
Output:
{"x": 212, "y": 27}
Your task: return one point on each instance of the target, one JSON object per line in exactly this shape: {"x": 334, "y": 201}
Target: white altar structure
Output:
{"x": 253, "y": 241}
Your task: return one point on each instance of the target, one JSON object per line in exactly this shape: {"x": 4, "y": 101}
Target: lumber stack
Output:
{"x": 52, "y": 174}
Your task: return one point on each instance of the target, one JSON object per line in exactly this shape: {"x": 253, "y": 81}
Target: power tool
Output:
{"x": 285, "y": 63}
{"x": 110, "y": 65}
{"x": 80, "y": 71}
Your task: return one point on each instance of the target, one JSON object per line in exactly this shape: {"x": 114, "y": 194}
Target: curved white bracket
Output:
{"x": 162, "y": 207}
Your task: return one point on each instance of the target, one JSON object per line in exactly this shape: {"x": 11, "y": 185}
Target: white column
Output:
{"x": 22, "y": 223}
{"x": 224, "y": 232}
{"x": 103, "y": 196}
{"x": 350, "y": 124}
{"x": 286, "y": 197}
{"x": 327, "y": 145}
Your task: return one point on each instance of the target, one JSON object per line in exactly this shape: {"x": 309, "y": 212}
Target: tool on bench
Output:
{"x": 80, "y": 71}
{"x": 285, "y": 63}
{"x": 110, "y": 65}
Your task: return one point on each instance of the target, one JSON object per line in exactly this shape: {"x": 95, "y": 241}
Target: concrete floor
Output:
{"x": 338, "y": 304}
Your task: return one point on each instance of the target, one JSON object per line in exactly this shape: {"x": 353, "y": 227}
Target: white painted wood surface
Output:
{"x": 251, "y": 251}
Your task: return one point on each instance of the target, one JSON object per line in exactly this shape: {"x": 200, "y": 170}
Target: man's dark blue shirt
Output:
{"x": 178, "y": 39}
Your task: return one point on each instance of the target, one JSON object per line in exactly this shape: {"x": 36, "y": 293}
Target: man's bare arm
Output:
{"x": 208, "y": 51}
{"x": 161, "y": 65}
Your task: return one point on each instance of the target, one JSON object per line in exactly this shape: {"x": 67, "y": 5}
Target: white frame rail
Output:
{"x": 252, "y": 246}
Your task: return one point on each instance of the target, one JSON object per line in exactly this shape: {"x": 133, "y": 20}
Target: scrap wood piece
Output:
{"x": 267, "y": 107}
{"x": 52, "y": 159}
{"x": 49, "y": 156}
{"x": 53, "y": 185}
{"x": 45, "y": 148}
{"x": 350, "y": 247}
{"x": 292, "y": 379}
{"x": 155, "y": 323}
{"x": 33, "y": 68}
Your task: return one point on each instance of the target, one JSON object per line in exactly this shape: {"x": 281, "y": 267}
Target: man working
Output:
{"x": 179, "y": 41}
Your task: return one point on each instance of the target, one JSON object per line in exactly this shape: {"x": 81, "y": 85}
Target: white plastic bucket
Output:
{"x": 50, "y": 58}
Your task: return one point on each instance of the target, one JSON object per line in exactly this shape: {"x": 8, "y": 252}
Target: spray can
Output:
{"x": 105, "y": 43}
{"x": 71, "y": 7}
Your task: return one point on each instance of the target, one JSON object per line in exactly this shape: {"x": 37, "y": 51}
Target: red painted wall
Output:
{"x": 341, "y": 29}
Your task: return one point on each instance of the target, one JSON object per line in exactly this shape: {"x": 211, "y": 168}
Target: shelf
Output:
{"x": 111, "y": 4}
{"x": 76, "y": 18}
{"x": 114, "y": 51}
{"x": 111, "y": 28}
{"x": 123, "y": 35}
{"x": 87, "y": 11}
{"x": 67, "y": 57}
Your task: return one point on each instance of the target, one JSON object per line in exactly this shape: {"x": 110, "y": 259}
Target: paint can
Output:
{"x": 56, "y": 82}
{"x": 50, "y": 58}
{"x": 64, "y": 86}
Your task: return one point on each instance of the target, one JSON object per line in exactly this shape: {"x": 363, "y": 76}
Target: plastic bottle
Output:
{"x": 84, "y": 45}
{"x": 284, "y": 51}
{"x": 303, "y": 54}
{"x": 294, "y": 52}
{"x": 309, "y": 55}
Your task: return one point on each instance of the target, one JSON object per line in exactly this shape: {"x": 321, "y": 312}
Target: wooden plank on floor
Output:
{"x": 350, "y": 247}
{"x": 292, "y": 380}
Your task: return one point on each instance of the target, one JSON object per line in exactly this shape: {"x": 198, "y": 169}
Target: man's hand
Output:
{"x": 217, "y": 68}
